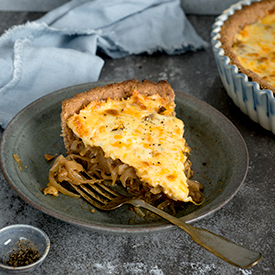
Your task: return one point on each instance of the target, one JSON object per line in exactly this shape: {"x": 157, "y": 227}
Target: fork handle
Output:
{"x": 230, "y": 252}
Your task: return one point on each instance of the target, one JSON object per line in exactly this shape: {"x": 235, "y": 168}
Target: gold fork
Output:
{"x": 104, "y": 198}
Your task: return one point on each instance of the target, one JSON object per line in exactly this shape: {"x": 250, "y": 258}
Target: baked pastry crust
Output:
{"x": 234, "y": 24}
{"x": 120, "y": 90}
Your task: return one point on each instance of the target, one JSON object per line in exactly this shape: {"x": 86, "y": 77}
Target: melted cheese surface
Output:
{"x": 254, "y": 46}
{"x": 142, "y": 132}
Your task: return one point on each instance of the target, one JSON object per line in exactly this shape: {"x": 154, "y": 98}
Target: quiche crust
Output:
{"x": 119, "y": 90}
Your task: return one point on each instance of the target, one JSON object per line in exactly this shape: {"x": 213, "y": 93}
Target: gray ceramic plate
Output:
{"x": 219, "y": 156}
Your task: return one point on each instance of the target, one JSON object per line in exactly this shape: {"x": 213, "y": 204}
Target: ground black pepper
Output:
{"x": 24, "y": 254}
{"x": 23, "y": 257}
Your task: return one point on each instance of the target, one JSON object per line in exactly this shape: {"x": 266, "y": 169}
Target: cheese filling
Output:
{"x": 254, "y": 47}
{"x": 142, "y": 132}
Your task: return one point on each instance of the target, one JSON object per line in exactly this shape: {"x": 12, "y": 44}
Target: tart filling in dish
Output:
{"x": 248, "y": 39}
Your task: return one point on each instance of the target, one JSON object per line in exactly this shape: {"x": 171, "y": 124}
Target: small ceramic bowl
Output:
{"x": 257, "y": 103}
{"x": 20, "y": 237}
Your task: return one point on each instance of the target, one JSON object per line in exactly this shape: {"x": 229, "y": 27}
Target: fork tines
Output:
{"x": 97, "y": 194}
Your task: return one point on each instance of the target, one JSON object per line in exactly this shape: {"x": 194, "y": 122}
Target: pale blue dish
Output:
{"x": 255, "y": 102}
{"x": 33, "y": 236}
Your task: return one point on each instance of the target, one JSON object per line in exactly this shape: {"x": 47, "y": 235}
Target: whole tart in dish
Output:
{"x": 248, "y": 39}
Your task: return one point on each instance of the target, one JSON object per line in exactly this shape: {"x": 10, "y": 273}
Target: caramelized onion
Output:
{"x": 195, "y": 190}
{"x": 89, "y": 165}
{"x": 53, "y": 182}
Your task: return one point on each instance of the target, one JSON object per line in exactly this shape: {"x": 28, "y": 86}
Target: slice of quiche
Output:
{"x": 130, "y": 133}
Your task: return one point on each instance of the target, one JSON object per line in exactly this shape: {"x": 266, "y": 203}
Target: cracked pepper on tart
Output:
{"x": 126, "y": 133}
{"x": 248, "y": 39}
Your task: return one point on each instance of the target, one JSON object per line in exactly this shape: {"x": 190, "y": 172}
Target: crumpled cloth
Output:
{"x": 60, "y": 49}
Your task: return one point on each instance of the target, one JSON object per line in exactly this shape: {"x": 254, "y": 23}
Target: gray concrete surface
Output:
{"x": 247, "y": 219}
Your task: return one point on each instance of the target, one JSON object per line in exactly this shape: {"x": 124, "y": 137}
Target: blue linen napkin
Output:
{"x": 60, "y": 49}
